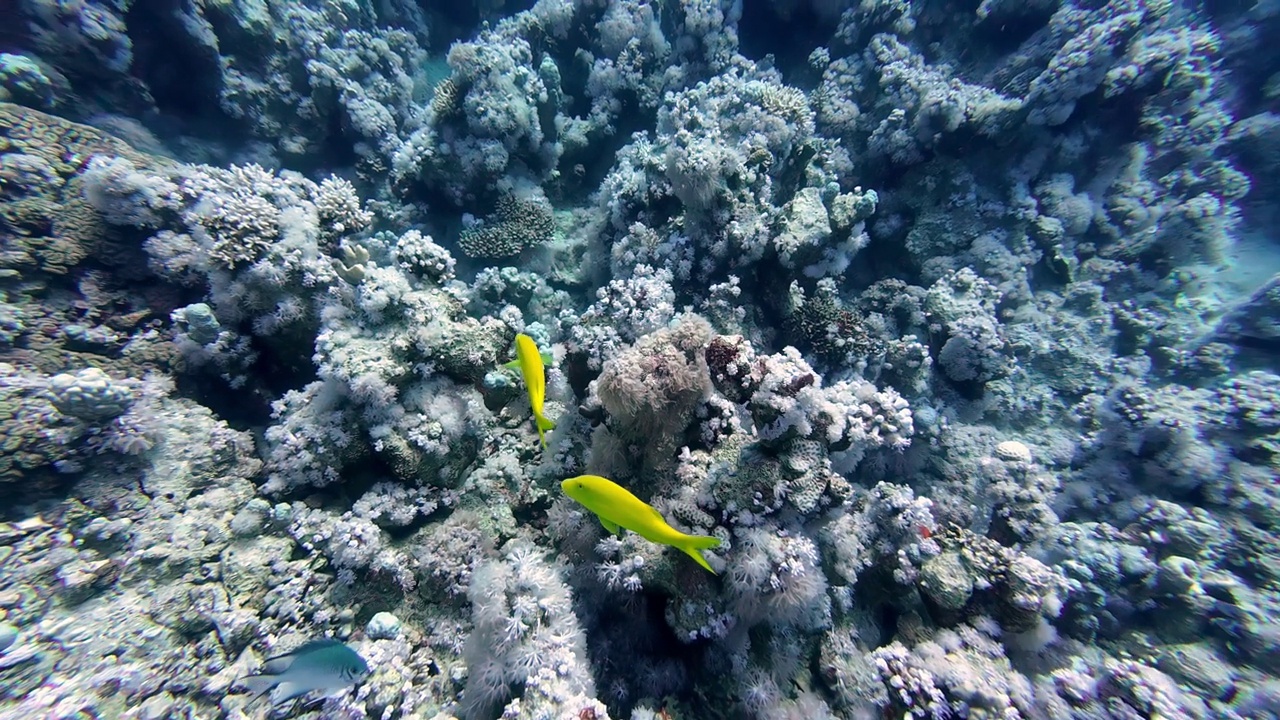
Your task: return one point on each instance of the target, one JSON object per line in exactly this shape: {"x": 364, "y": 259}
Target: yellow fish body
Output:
{"x": 532, "y": 366}
{"x": 618, "y": 508}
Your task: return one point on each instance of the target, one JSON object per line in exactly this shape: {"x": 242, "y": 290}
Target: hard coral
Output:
{"x": 446, "y": 99}
{"x": 65, "y": 145}
{"x": 27, "y": 427}
{"x": 238, "y": 228}
{"x": 41, "y": 202}
{"x": 90, "y": 395}
{"x": 735, "y": 370}
{"x": 833, "y": 332}
{"x": 516, "y": 224}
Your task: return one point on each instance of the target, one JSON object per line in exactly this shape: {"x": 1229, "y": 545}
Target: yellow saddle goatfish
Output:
{"x": 618, "y": 508}
{"x": 531, "y": 364}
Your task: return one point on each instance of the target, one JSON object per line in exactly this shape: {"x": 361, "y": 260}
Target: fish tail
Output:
{"x": 544, "y": 426}
{"x": 258, "y": 684}
{"x": 693, "y": 545}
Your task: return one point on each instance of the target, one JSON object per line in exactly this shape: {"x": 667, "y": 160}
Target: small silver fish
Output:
{"x": 327, "y": 665}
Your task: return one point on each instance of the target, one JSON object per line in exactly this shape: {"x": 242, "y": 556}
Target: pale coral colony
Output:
{"x": 957, "y": 323}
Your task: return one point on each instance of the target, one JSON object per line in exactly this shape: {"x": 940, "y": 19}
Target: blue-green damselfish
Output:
{"x": 327, "y": 665}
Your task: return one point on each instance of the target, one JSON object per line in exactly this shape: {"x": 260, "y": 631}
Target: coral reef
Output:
{"x": 956, "y": 324}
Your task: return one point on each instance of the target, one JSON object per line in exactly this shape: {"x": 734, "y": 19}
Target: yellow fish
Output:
{"x": 618, "y": 508}
{"x": 531, "y": 364}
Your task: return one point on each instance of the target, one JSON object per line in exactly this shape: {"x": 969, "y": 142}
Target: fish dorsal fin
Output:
{"x": 312, "y": 645}
{"x": 610, "y": 525}
{"x": 277, "y": 664}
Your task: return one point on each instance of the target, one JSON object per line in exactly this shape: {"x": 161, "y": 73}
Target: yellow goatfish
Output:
{"x": 618, "y": 508}
{"x": 531, "y": 364}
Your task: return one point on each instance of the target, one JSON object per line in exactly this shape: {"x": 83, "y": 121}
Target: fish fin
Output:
{"x": 547, "y": 358}
{"x": 513, "y": 365}
{"x": 611, "y": 526}
{"x": 544, "y": 425}
{"x": 335, "y": 692}
{"x": 258, "y": 684}
{"x": 277, "y": 665}
{"x": 286, "y": 691}
{"x": 311, "y": 645}
{"x": 694, "y": 544}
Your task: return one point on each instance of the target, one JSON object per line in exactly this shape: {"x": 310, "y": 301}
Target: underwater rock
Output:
{"x": 1255, "y": 322}
{"x": 1200, "y": 666}
{"x": 8, "y": 636}
{"x": 27, "y": 668}
{"x": 383, "y": 626}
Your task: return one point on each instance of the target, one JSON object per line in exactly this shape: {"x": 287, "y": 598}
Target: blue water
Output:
{"x": 879, "y": 359}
